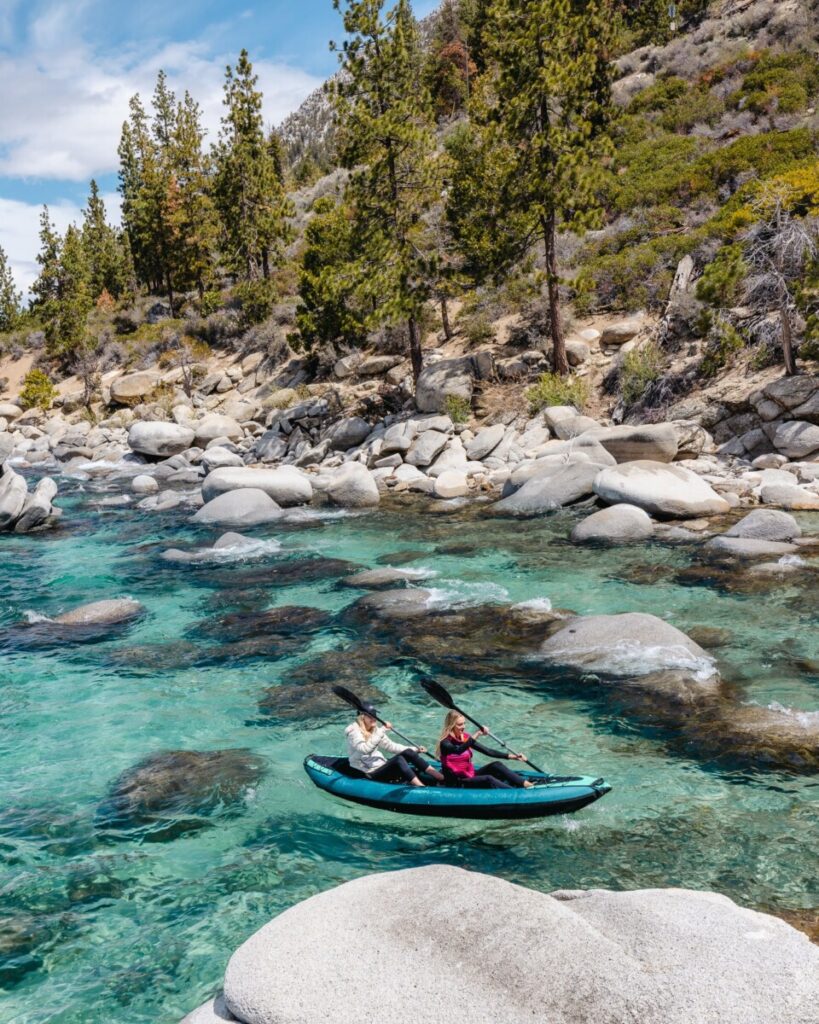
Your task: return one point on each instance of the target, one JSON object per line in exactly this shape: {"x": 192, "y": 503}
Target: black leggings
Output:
{"x": 404, "y": 767}
{"x": 489, "y": 776}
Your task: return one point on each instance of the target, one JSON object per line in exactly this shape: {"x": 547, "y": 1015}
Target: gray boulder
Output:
{"x": 286, "y": 485}
{"x": 426, "y": 447}
{"x": 558, "y": 485}
{"x": 631, "y": 644}
{"x": 766, "y": 524}
{"x": 220, "y": 458}
{"x": 485, "y": 441}
{"x": 789, "y": 496}
{"x": 216, "y": 425}
{"x": 619, "y": 524}
{"x": 656, "y": 442}
{"x": 144, "y": 484}
{"x": 353, "y": 486}
{"x": 213, "y": 1011}
{"x": 159, "y": 439}
{"x": 246, "y": 507}
{"x": 438, "y": 380}
{"x": 660, "y": 489}
{"x": 102, "y": 613}
{"x": 13, "y": 494}
{"x": 619, "y": 333}
{"x": 38, "y": 512}
{"x": 348, "y": 433}
{"x": 573, "y": 426}
{"x": 749, "y": 547}
{"x": 653, "y": 956}
{"x": 797, "y": 439}
{"x": 381, "y": 579}
{"x": 271, "y": 446}
{"x": 134, "y": 387}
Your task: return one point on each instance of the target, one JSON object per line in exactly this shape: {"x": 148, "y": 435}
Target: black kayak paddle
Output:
{"x": 360, "y": 706}
{"x": 442, "y": 695}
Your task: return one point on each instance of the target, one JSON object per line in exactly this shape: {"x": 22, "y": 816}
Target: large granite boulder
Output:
{"x": 797, "y": 439}
{"x": 216, "y": 425}
{"x": 159, "y": 440}
{"x": 348, "y": 432}
{"x": 353, "y": 486}
{"x": 789, "y": 496}
{"x": 426, "y": 447}
{"x": 651, "y": 956}
{"x": 13, "y": 494}
{"x": 38, "y": 512}
{"x": 557, "y": 485}
{"x": 285, "y": 485}
{"x": 485, "y": 441}
{"x": 439, "y": 380}
{"x": 656, "y": 442}
{"x": 134, "y": 388}
{"x": 749, "y": 547}
{"x": 618, "y": 524}
{"x": 631, "y": 644}
{"x": 659, "y": 489}
{"x": 246, "y": 507}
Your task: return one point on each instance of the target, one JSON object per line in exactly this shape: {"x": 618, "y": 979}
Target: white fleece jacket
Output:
{"x": 365, "y": 752}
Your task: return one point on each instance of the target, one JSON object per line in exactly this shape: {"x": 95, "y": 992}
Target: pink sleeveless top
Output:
{"x": 459, "y": 764}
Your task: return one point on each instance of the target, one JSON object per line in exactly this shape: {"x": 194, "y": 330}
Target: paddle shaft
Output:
{"x": 350, "y": 698}
{"x": 498, "y": 740}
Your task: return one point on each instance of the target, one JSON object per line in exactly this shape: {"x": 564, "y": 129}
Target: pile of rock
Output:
{"x": 22, "y": 511}
{"x": 658, "y": 956}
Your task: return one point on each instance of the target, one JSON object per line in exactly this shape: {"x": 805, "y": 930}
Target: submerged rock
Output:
{"x": 246, "y": 507}
{"x": 98, "y": 613}
{"x": 766, "y": 524}
{"x": 381, "y": 579}
{"x": 657, "y": 956}
{"x": 166, "y": 787}
{"x": 749, "y": 547}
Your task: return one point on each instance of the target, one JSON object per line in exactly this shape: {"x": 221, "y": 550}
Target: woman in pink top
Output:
{"x": 455, "y": 753}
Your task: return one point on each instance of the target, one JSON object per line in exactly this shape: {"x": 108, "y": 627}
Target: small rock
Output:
{"x": 619, "y": 524}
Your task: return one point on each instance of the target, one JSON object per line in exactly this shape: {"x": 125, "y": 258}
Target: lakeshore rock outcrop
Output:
{"x": 659, "y": 489}
{"x": 660, "y": 956}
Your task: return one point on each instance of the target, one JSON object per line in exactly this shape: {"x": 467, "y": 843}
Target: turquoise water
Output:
{"x": 101, "y": 924}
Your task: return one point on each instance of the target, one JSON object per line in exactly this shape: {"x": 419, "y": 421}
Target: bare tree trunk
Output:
{"x": 560, "y": 362}
{"x": 266, "y": 264}
{"x": 445, "y": 318}
{"x": 415, "y": 348}
{"x": 787, "y": 339}
{"x": 169, "y": 288}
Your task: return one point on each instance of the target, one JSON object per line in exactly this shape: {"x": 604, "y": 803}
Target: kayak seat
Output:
{"x": 342, "y": 766}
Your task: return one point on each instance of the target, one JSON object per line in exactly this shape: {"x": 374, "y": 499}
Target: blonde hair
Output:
{"x": 449, "y": 724}
{"x": 363, "y": 726}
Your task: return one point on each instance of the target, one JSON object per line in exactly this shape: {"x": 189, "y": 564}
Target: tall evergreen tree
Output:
{"x": 66, "y": 326}
{"x": 543, "y": 133}
{"x": 195, "y": 223}
{"x": 386, "y": 138}
{"x": 46, "y": 288}
{"x": 10, "y": 297}
{"x": 248, "y": 187}
{"x": 103, "y": 250}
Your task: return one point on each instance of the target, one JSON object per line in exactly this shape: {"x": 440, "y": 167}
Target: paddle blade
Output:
{"x": 349, "y": 697}
{"x": 437, "y": 692}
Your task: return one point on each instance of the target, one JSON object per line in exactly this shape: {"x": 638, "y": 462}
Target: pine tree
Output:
{"x": 248, "y": 187}
{"x": 386, "y": 138}
{"x": 46, "y": 288}
{"x": 450, "y": 70}
{"x": 66, "y": 327}
{"x": 10, "y": 297}
{"x": 334, "y": 308}
{"x": 103, "y": 251}
{"x": 195, "y": 223}
{"x": 543, "y": 133}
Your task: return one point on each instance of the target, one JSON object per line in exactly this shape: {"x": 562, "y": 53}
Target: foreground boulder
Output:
{"x": 23, "y": 512}
{"x": 632, "y": 644}
{"x": 557, "y": 485}
{"x": 659, "y": 489}
{"x": 620, "y": 524}
{"x": 766, "y": 524}
{"x": 159, "y": 440}
{"x": 653, "y": 956}
{"x": 285, "y": 485}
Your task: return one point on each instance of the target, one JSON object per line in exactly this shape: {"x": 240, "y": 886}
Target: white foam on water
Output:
{"x": 460, "y": 594}
{"x": 239, "y": 552}
{"x": 808, "y": 719}
{"x": 32, "y": 618}
{"x": 792, "y": 560}
{"x": 419, "y": 573}
{"x": 630, "y": 658}
{"x": 537, "y": 604}
{"x": 296, "y": 515}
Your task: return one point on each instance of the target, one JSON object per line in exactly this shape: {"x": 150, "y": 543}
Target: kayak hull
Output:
{"x": 552, "y": 795}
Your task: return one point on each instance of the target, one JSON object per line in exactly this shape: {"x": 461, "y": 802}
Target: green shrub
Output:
{"x": 809, "y": 349}
{"x": 721, "y": 281}
{"x": 679, "y": 105}
{"x": 723, "y": 345}
{"x": 552, "y": 389}
{"x": 210, "y": 302}
{"x": 457, "y": 408}
{"x": 256, "y": 299}
{"x": 478, "y": 329}
{"x": 37, "y": 391}
{"x": 641, "y": 367}
{"x": 778, "y": 82}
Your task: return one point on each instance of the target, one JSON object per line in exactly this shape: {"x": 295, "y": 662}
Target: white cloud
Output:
{"x": 19, "y": 228}
{"x": 65, "y": 104}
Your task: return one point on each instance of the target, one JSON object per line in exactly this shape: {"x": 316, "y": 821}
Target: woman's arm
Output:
{"x": 488, "y": 752}
{"x": 391, "y": 747}
{"x": 450, "y": 746}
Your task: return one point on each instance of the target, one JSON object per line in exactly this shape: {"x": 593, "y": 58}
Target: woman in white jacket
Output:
{"x": 366, "y": 743}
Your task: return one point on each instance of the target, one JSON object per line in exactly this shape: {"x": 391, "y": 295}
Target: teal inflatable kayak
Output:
{"x": 552, "y": 794}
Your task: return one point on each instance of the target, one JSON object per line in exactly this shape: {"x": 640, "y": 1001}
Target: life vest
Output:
{"x": 459, "y": 764}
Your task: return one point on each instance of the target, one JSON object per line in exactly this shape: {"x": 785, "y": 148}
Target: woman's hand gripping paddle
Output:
{"x": 359, "y": 705}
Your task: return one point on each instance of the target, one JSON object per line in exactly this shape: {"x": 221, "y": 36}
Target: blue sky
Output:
{"x": 68, "y": 68}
